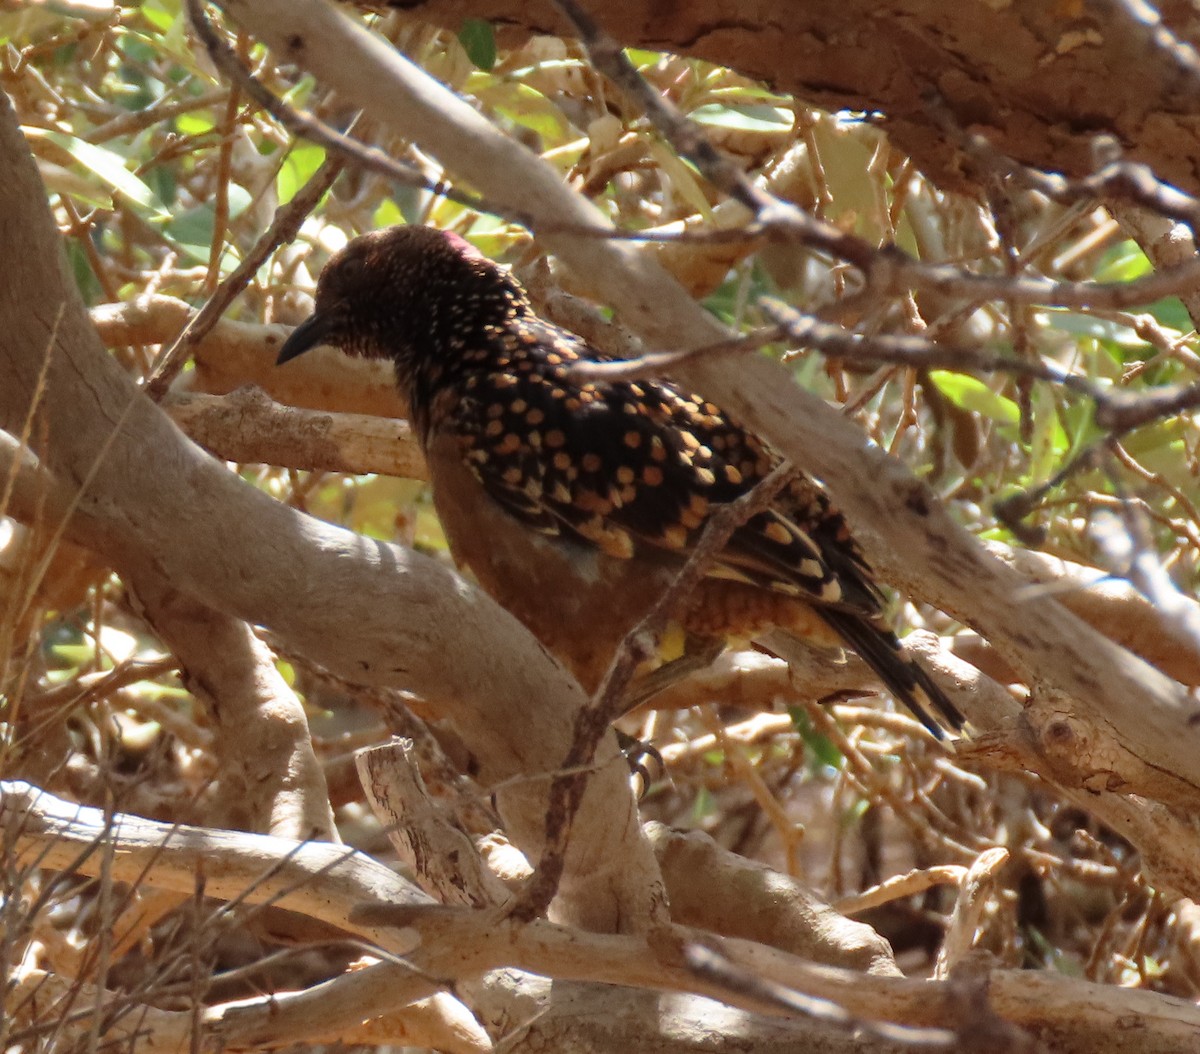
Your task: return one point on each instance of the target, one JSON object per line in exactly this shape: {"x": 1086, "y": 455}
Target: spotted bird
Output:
{"x": 575, "y": 502}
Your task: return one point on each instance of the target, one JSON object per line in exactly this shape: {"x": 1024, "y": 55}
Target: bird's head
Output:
{"x": 414, "y": 295}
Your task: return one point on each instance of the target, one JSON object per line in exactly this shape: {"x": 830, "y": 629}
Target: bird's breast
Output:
{"x": 577, "y": 600}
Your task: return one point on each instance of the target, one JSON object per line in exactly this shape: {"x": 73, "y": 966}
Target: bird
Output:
{"x": 575, "y": 502}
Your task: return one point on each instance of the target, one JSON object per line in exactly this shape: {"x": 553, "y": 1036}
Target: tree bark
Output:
{"x": 1039, "y": 80}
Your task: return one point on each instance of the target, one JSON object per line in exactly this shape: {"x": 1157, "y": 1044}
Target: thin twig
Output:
{"x": 1118, "y": 411}
{"x": 656, "y": 363}
{"x": 284, "y": 227}
{"x": 715, "y": 968}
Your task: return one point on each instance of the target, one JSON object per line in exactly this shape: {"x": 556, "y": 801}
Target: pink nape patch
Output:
{"x": 462, "y": 246}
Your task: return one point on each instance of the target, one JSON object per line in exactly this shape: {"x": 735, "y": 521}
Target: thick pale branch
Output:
{"x": 1109, "y": 604}
{"x": 319, "y": 879}
{"x": 270, "y": 779}
{"x": 247, "y": 426}
{"x": 714, "y": 889}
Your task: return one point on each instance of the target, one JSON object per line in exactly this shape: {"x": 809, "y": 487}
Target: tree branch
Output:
{"x": 332, "y": 884}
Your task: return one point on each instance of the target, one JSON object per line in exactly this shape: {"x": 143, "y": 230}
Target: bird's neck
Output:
{"x": 438, "y": 358}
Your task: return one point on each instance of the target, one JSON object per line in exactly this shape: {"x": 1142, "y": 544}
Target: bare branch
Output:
{"x": 248, "y": 427}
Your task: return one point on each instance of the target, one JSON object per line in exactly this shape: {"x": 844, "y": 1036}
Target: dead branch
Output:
{"x": 332, "y": 883}
{"x": 974, "y": 892}
{"x": 440, "y": 854}
{"x": 270, "y": 779}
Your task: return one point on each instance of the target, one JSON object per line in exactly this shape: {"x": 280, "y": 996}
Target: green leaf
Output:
{"x": 192, "y": 230}
{"x": 74, "y": 654}
{"x": 1125, "y": 263}
{"x": 1162, "y": 447}
{"x": 747, "y": 93}
{"x": 195, "y": 123}
{"x": 1078, "y": 420}
{"x": 1090, "y": 326}
{"x": 1052, "y": 956}
{"x": 748, "y": 118}
{"x": 972, "y": 394}
{"x": 479, "y": 42}
{"x": 110, "y": 168}
{"x": 1172, "y": 314}
{"x": 298, "y": 169}
{"x": 1049, "y": 441}
{"x": 641, "y": 58}
{"x": 287, "y": 671}
{"x": 85, "y": 279}
{"x": 820, "y": 746}
{"x": 527, "y": 107}
{"x": 388, "y": 214}
{"x": 158, "y": 18}
{"x": 161, "y": 179}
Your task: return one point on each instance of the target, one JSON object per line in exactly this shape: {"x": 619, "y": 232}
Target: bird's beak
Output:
{"x": 311, "y": 332}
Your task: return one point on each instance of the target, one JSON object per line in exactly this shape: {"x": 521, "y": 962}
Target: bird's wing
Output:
{"x": 631, "y": 466}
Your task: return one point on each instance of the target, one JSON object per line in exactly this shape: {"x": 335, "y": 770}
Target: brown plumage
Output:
{"x": 574, "y": 503}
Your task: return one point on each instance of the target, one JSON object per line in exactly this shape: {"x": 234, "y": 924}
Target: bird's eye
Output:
{"x": 342, "y": 280}
{"x": 352, "y": 268}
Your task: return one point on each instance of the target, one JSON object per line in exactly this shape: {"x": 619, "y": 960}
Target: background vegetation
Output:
{"x": 163, "y": 177}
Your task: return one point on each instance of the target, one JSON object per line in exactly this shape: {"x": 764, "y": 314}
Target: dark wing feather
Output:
{"x": 626, "y": 465}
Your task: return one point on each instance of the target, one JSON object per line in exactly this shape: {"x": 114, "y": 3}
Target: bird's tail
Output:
{"x": 908, "y": 681}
